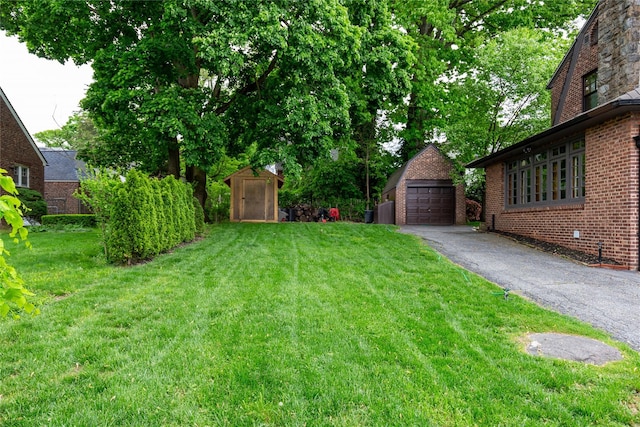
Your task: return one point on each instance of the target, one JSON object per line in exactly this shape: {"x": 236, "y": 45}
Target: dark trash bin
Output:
{"x": 368, "y": 217}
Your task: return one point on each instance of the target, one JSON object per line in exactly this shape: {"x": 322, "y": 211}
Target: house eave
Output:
{"x": 22, "y": 127}
{"x": 571, "y": 127}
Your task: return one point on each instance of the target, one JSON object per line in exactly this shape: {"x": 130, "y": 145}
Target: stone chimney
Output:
{"x": 619, "y": 48}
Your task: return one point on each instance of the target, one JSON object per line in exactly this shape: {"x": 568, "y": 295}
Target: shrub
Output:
{"x": 141, "y": 217}
{"x": 474, "y": 210}
{"x": 34, "y": 203}
{"x": 218, "y": 202}
{"x": 199, "y": 216}
{"x": 81, "y": 220}
{"x": 13, "y": 293}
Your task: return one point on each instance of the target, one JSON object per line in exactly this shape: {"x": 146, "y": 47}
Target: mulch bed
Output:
{"x": 579, "y": 256}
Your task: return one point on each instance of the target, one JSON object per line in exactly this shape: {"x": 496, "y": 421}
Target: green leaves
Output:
{"x": 13, "y": 293}
{"x": 448, "y": 34}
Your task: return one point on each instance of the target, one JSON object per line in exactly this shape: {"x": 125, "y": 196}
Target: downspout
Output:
{"x": 637, "y": 141}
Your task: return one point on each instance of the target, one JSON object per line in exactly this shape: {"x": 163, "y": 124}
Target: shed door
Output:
{"x": 431, "y": 205}
{"x": 253, "y": 199}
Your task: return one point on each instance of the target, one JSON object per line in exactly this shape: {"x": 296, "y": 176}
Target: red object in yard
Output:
{"x": 334, "y": 214}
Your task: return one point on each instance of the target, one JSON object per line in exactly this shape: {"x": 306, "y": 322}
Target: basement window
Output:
{"x": 552, "y": 176}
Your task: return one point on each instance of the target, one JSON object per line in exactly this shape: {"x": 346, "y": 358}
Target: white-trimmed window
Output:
{"x": 21, "y": 177}
{"x": 547, "y": 177}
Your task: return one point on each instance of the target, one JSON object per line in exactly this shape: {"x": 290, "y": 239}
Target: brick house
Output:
{"x": 422, "y": 192}
{"x": 577, "y": 184}
{"x": 19, "y": 154}
{"x": 61, "y": 179}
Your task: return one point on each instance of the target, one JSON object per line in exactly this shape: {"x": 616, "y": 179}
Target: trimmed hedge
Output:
{"x": 82, "y": 220}
{"x": 148, "y": 217}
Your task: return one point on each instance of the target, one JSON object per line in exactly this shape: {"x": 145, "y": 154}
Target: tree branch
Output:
{"x": 251, "y": 87}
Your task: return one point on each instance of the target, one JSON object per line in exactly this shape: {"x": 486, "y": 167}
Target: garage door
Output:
{"x": 430, "y": 205}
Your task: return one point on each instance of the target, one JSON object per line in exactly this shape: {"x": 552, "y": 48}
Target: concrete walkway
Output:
{"x": 607, "y": 299}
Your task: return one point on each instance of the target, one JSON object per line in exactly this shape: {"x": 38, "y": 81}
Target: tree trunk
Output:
{"x": 198, "y": 177}
{"x": 414, "y": 134}
{"x": 173, "y": 165}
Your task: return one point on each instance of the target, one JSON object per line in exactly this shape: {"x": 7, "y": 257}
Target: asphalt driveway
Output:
{"x": 607, "y": 299}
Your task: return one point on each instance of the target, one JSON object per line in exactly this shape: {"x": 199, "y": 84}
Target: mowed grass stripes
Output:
{"x": 289, "y": 324}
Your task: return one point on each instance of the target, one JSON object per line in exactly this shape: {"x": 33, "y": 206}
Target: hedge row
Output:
{"x": 150, "y": 216}
{"x": 82, "y": 220}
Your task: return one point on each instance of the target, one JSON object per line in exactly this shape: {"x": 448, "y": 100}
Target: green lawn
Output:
{"x": 289, "y": 324}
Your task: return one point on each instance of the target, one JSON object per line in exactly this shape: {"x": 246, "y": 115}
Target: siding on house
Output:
{"x": 17, "y": 148}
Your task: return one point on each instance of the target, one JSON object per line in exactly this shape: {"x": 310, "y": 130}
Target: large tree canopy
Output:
{"x": 503, "y": 99}
{"x": 447, "y": 33}
{"x": 197, "y": 78}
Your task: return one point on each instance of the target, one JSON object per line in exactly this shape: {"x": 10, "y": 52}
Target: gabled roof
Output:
{"x": 628, "y": 102}
{"x": 396, "y": 176}
{"x": 62, "y": 165}
{"x": 4, "y": 98}
{"x": 575, "y": 46}
{"x": 256, "y": 173}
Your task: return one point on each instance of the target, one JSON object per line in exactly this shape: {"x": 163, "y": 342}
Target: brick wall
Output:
{"x": 60, "y": 200}
{"x": 429, "y": 164}
{"x": 610, "y": 212}
{"x": 587, "y": 61}
{"x": 15, "y": 149}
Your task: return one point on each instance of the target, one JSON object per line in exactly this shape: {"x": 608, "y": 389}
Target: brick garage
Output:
{"x": 423, "y": 192}
{"x": 577, "y": 183}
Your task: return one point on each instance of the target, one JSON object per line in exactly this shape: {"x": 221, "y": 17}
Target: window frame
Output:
{"x": 590, "y": 90}
{"x": 547, "y": 177}
{"x": 21, "y": 174}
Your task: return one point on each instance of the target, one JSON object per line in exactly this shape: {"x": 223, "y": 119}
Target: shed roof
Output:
{"x": 625, "y": 103}
{"x": 256, "y": 173}
{"x": 62, "y": 165}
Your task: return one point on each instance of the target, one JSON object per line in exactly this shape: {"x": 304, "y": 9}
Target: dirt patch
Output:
{"x": 555, "y": 249}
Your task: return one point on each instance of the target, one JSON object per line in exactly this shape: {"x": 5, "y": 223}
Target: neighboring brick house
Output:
{"x": 61, "y": 179}
{"x": 19, "y": 154}
{"x": 577, "y": 184}
{"x": 422, "y": 192}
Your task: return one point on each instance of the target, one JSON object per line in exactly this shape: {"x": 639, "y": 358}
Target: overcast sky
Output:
{"x": 44, "y": 93}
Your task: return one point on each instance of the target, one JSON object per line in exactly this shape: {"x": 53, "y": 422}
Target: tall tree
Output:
{"x": 275, "y": 71}
{"x": 79, "y": 133}
{"x": 447, "y": 32}
{"x": 503, "y": 99}
{"x": 378, "y": 83}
